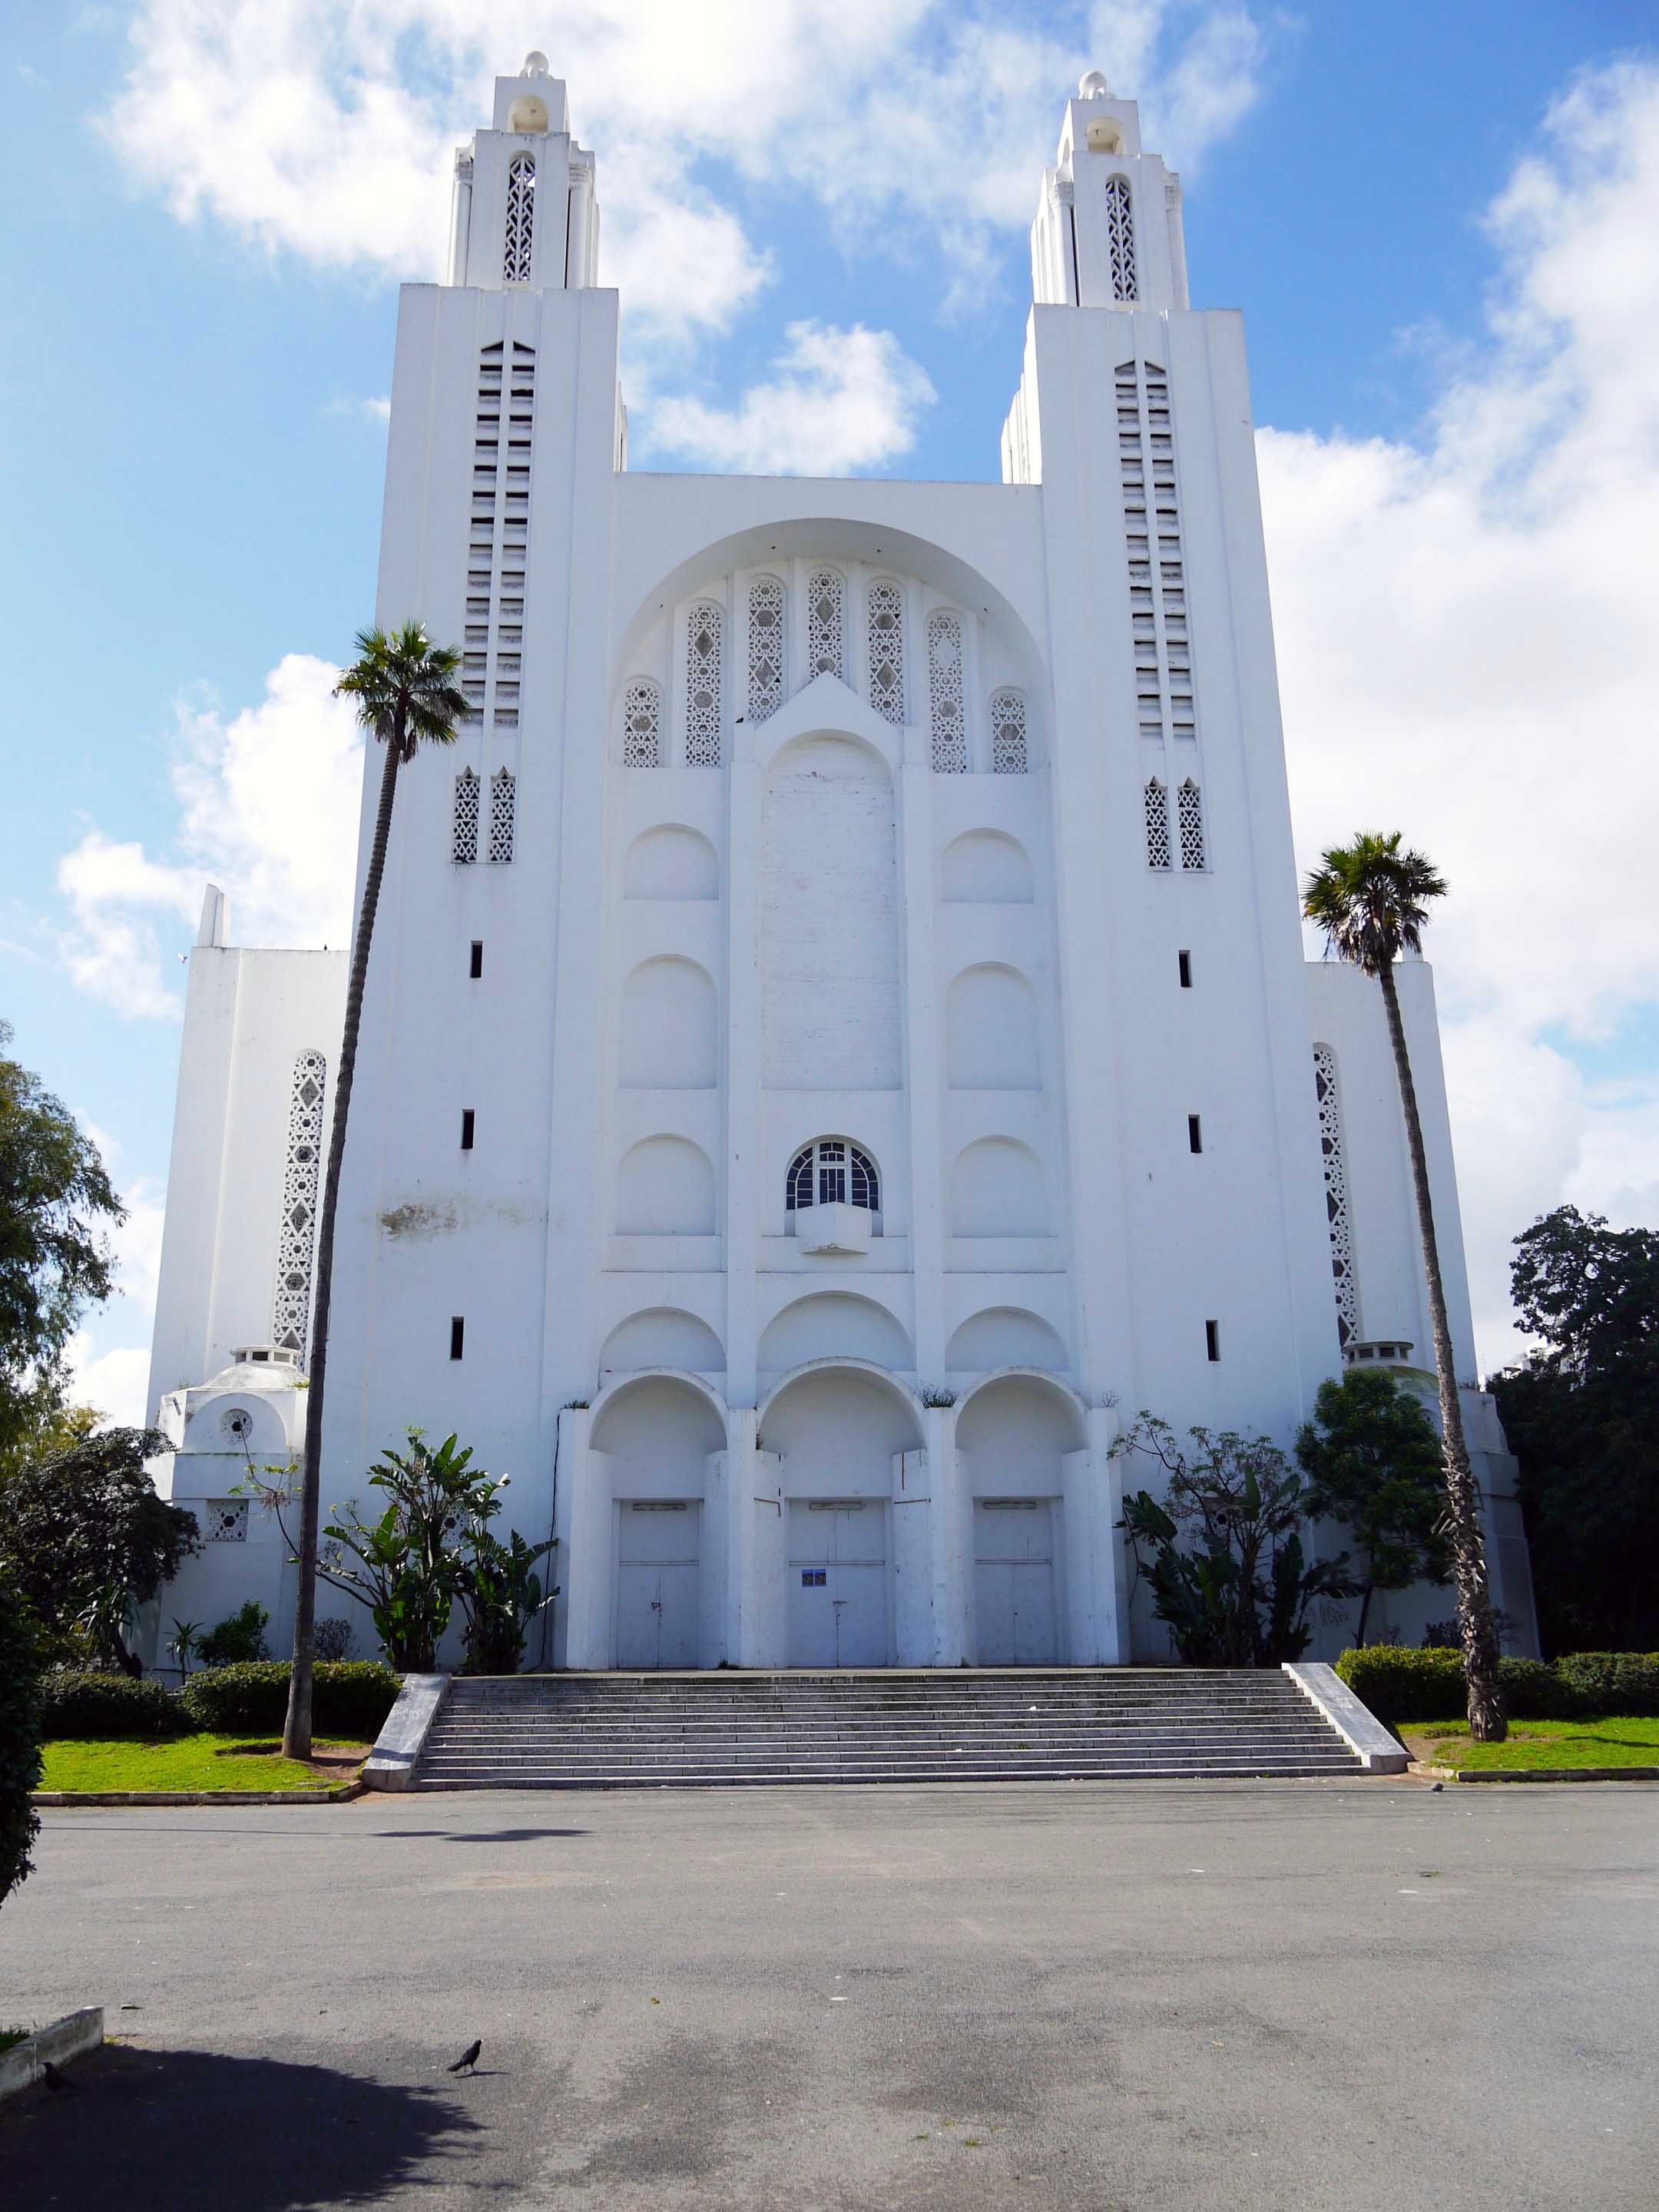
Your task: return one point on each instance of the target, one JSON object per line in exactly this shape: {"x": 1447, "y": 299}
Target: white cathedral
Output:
{"x": 838, "y": 1039}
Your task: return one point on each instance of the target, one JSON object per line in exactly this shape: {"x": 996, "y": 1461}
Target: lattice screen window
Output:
{"x": 885, "y": 607}
{"x": 765, "y": 647}
{"x": 703, "y": 629}
{"x": 946, "y": 694}
{"x": 1157, "y": 825}
{"x": 1120, "y": 239}
{"x": 290, "y": 1305}
{"x": 1336, "y": 1193}
{"x": 826, "y": 624}
{"x": 224, "y": 1520}
{"x": 832, "y": 1172}
{"x": 1009, "y": 751}
{"x": 520, "y": 218}
{"x": 1189, "y": 815}
{"x": 464, "y": 847}
{"x": 643, "y": 725}
{"x": 504, "y": 803}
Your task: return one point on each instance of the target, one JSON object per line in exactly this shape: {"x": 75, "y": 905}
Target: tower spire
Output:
{"x": 524, "y": 210}
{"x": 1108, "y": 230}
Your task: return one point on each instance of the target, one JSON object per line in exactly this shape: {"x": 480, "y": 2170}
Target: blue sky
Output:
{"x": 1444, "y": 273}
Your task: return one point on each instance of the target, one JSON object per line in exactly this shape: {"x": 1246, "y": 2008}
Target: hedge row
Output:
{"x": 352, "y": 1698}
{"x": 1400, "y": 1684}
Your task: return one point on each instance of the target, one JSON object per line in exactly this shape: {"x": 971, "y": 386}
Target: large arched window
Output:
{"x": 825, "y": 624}
{"x": 885, "y": 614}
{"x": 765, "y": 647}
{"x": 703, "y": 630}
{"x": 946, "y": 694}
{"x": 833, "y": 1172}
{"x": 520, "y": 218}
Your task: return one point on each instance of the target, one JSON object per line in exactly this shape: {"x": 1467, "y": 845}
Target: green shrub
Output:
{"x": 1402, "y": 1684}
{"x": 239, "y": 1637}
{"x": 86, "y": 1702}
{"x": 1625, "y": 1682}
{"x": 19, "y": 1735}
{"x": 350, "y": 1697}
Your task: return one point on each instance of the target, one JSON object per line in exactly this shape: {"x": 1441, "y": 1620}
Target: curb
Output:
{"x": 332, "y": 1793}
{"x": 1375, "y": 1746}
{"x": 1534, "y": 1773}
{"x": 67, "y": 2038}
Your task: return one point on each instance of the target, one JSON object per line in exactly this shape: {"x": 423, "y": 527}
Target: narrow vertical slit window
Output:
{"x": 458, "y": 1336}
{"x": 1212, "y": 1339}
{"x": 1184, "y": 969}
{"x": 1195, "y": 1133}
{"x": 1336, "y": 1194}
{"x": 469, "y": 1125}
{"x": 290, "y": 1314}
{"x": 474, "y": 966}
{"x": 1120, "y": 239}
{"x": 520, "y": 219}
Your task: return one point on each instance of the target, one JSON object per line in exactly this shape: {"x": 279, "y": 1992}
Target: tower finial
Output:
{"x": 1093, "y": 86}
{"x": 535, "y": 64}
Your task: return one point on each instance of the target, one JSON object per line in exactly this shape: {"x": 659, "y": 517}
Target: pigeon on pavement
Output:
{"x": 469, "y": 2057}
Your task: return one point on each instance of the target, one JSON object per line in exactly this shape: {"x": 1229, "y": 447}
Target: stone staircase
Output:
{"x": 1109, "y": 1724}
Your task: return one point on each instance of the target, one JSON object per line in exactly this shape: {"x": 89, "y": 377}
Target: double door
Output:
{"x": 838, "y": 1582}
{"x": 1014, "y": 1611}
{"x": 657, "y": 1572}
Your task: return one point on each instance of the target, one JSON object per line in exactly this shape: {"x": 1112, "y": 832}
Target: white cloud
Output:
{"x": 1468, "y": 651}
{"x": 268, "y": 811}
{"x": 377, "y": 408}
{"x": 839, "y": 401}
{"x": 116, "y": 1380}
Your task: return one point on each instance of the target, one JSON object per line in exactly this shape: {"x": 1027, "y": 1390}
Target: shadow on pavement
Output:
{"x": 196, "y": 2132}
{"x": 477, "y": 1835}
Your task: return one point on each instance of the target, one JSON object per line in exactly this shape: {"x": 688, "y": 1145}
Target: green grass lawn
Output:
{"x": 191, "y": 1762}
{"x": 1612, "y": 1741}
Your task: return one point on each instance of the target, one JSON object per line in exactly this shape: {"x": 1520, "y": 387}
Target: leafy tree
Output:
{"x": 1582, "y": 1414}
{"x": 407, "y": 1566}
{"x": 87, "y": 1539}
{"x": 405, "y": 690}
{"x": 1223, "y": 1550}
{"x": 1372, "y": 1460}
{"x": 236, "y": 1639}
{"x": 500, "y": 1592}
{"x": 56, "y": 1203}
{"x": 21, "y": 1659}
{"x": 1371, "y": 901}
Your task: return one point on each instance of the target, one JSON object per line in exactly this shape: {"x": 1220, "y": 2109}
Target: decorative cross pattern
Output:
{"x": 945, "y": 693}
{"x": 520, "y": 218}
{"x": 1336, "y": 1194}
{"x": 703, "y": 687}
{"x": 1189, "y": 814}
{"x": 1009, "y": 754}
{"x": 765, "y": 647}
{"x": 643, "y": 725}
{"x": 826, "y": 624}
{"x": 1120, "y": 239}
{"x": 1157, "y": 825}
{"x": 886, "y": 656}
{"x": 290, "y": 1310}
{"x": 464, "y": 841}
{"x": 503, "y": 795}
{"x": 224, "y": 1520}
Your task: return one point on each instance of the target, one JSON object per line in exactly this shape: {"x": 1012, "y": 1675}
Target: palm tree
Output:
{"x": 405, "y": 690}
{"x": 1371, "y": 901}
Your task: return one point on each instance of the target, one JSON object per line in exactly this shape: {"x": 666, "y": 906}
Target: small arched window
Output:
{"x": 704, "y": 628}
{"x": 826, "y": 624}
{"x": 503, "y": 808}
{"x": 1189, "y": 814}
{"x": 1158, "y": 825}
{"x": 1009, "y": 751}
{"x": 520, "y": 218}
{"x": 833, "y": 1172}
{"x": 1120, "y": 239}
{"x": 946, "y": 695}
{"x": 464, "y": 847}
{"x": 765, "y": 647}
{"x": 886, "y": 620}
{"x": 643, "y": 725}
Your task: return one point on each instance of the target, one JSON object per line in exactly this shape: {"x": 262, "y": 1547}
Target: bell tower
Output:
{"x": 1108, "y": 230}
{"x": 524, "y": 212}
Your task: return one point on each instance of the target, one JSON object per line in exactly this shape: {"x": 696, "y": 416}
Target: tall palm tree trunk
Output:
{"x": 1476, "y": 1626}
{"x": 297, "y": 1730}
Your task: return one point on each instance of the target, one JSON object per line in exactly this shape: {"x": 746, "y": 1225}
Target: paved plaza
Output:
{"x": 1279, "y": 1996}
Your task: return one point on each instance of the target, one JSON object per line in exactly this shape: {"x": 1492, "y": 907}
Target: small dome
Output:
{"x": 535, "y": 64}
{"x": 1094, "y": 87}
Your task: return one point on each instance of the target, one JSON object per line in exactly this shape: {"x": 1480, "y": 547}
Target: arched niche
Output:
{"x": 1015, "y": 1432}
{"x": 668, "y": 1028}
{"x": 996, "y": 1190}
{"x": 838, "y": 1430}
{"x": 1005, "y": 1336}
{"x": 671, "y": 862}
{"x": 833, "y": 1325}
{"x": 991, "y": 1031}
{"x": 657, "y": 1432}
{"x": 986, "y": 867}
{"x": 665, "y": 1188}
{"x": 663, "y": 1336}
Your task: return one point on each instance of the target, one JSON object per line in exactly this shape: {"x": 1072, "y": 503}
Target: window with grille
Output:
{"x": 1336, "y": 1194}
{"x": 643, "y": 725}
{"x": 833, "y": 1172}
{"x": 503, "y": 796}
{"x": 464, "y": 839}
{"x": 224, "y": 1520}
{"x": 946, "y": 692}
{"x": 1151, "y": 524}
{"x": 290, "y": 1309}
{"x": 703, "y": 630}
{"x": 520, "y": 218}
{"x": 826, "y": 624}
{"x": 1157, "y": 825}
{"x": 1189, "y": 814}
{"x": 1009, "y": 755}
{"x": 885, "y": 607}
{"x": 1120, "y": 239}
{"x": 765, "y": 647}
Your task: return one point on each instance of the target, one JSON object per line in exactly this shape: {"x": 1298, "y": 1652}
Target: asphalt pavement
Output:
{"x": 1358, "y": 1997}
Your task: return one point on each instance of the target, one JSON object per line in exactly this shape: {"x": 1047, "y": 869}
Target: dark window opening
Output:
{"x": 1195, "y": 1133}
{"x": 1212, "y": 1339}
{"x": 458, "y": 1336}
{"x": 1185, "y": 962}
{"x": 477, "y": 968}
{"x": 469, "y": 1122}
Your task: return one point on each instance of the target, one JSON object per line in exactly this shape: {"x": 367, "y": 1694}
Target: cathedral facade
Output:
{"x": 838, "y": 1039}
